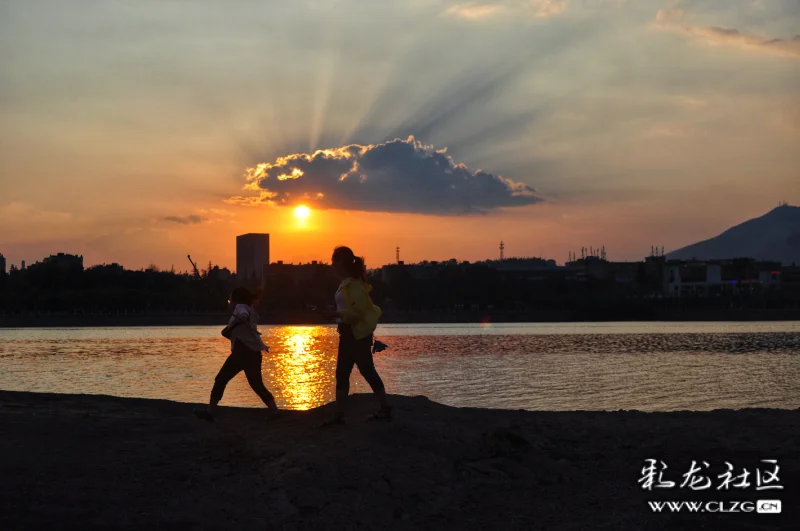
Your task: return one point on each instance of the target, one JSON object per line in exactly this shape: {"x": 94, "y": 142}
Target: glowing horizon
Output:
{"x": 127, "y": 138}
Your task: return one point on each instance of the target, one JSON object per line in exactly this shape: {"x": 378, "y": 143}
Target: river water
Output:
{"x": 574, "y": 366}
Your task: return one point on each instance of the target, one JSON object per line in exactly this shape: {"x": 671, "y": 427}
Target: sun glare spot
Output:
{"x": 302, "y": 212}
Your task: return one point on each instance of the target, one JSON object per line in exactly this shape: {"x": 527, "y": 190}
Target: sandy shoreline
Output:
{"x": 98, "y": 462}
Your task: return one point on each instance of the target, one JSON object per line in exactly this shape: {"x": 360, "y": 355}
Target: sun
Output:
{"x": 302, "y": 212}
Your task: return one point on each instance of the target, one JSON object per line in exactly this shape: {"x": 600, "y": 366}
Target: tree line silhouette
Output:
{"x": 450, "y": 287}
{"x": 110, "y": 288}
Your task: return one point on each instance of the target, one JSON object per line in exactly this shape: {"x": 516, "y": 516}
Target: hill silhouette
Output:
{"x": 775, "y": 236}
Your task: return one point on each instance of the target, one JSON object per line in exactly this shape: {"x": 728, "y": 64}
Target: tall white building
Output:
{"x": 252, "y": 256}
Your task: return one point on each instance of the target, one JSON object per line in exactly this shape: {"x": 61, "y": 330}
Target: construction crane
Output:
{"x": 194, "y": 266}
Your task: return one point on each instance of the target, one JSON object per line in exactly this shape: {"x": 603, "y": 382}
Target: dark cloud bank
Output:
{"x": 396, "y": 176}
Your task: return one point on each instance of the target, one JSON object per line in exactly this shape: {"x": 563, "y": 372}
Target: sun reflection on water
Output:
{"x": 300, "y": 366}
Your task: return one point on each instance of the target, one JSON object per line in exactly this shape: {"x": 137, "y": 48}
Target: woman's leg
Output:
{"x": 252, "y": 370}
{"x": 366, "y": 366}
{"x": 229, "y": 369}
{"x": 344, "y": 366}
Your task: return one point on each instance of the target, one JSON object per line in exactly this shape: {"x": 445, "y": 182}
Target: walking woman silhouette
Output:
{"x": 357, "y": 319}
{"x": 246, "y": 347}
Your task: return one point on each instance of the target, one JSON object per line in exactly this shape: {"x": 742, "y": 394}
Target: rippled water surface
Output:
{"x": 646, "y": 366}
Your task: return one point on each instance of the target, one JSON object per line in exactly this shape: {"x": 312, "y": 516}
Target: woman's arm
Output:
{"x": 358, "y": 303}
{"x": 240, "y": 315}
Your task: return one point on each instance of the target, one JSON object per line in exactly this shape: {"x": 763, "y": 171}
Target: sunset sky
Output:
{"x": 141, "y": 131}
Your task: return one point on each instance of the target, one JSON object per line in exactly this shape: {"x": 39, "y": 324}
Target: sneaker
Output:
{"x": 384, "y": 414}
{"x": 273, "y": 414}
{"x": 204, "y": 414}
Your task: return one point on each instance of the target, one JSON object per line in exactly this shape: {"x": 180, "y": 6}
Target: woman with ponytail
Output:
{"x": 357, "y": 318}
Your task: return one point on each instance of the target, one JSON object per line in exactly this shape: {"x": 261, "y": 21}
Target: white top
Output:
{"x": 339, "y": 301}
{"x": 247, "y": 331}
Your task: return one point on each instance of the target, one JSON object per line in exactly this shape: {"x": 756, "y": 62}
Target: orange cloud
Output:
{"x": 264, "y": 198}
{"x": 201, "y": 215}
{"x": 186, "y": 220}
{"x": 483, "y": 10}
{"x": 474, "y": 12}
{"x": 672, "y": 19}
{"x": 546, "y": 8}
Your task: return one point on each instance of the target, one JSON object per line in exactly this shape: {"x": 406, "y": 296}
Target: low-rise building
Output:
{"x": 790, "y": 283}
{"x": 298, "y": 273}
{"x": 720, "y": 277}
